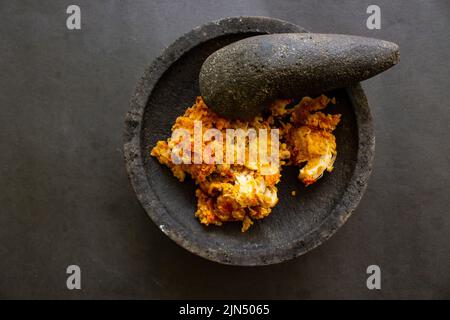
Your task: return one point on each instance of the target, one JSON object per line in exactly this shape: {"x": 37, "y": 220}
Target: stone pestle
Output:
{"x": 243, "y": 78}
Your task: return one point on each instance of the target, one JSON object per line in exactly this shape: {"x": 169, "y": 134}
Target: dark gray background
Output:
{"x": 65, "y": 197}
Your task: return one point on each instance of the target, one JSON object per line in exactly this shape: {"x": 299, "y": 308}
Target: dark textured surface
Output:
{"x": 243, "y": 78}
{"x": 295, "y": 226}
{"x": 66, "y": 199}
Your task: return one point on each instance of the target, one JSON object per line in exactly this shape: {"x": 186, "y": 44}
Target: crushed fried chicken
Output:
{"x": 240, "y": 192}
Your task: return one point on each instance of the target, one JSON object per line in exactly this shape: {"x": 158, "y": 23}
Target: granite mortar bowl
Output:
{"x": 297, "y": 224}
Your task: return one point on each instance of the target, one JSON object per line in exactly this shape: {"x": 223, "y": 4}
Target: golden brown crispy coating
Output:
{"x": 311, "y": 138}
{"x": 240, "y": 192}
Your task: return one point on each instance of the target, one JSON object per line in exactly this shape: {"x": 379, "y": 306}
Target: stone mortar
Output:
{"x": 297, "y": 224}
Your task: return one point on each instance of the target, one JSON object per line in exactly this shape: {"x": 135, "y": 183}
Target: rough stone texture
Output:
{"x": 243, "y": 78}
{"x": 296, "y": 225}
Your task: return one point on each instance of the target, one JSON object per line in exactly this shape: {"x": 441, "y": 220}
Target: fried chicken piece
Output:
{"x": 244, "y": 197}
{"x": 226, "y": 192}
{"x": 312, "y": 139}
{"x": 315, "y": 147}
